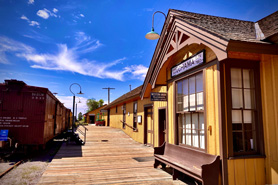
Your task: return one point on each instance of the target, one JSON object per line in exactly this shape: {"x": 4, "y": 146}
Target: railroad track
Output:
{"x": 7, "y": 171}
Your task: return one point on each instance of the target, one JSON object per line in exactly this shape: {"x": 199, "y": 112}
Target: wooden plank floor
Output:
{"x": 105, "y": 162}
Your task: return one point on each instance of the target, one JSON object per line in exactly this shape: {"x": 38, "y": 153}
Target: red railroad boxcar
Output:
{"x": 33, "y": 115}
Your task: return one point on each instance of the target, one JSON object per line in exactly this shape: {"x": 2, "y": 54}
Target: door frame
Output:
{"x": 160, "y": 132}
{"x": 146, "y": 107}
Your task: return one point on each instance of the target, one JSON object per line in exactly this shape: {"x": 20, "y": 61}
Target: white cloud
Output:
{"x": 70, "y": 59}
{"x": 81, "y": 15}
{"x": 138, "y": 71}
{"x": 45, "y": 13}
{"x": 24, "y": 17}
{"x": 68, "y": 101}
{"x": 31, "y": 1}
{"x": 34, "y": 23}
{"x": 9, "y": 45}
{"x": 31, "y": 23}
{"x": 55, "y": 10}
{"x": 90, "y": 22}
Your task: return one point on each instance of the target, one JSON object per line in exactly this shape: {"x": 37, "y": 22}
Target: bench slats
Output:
{"x": 201, "y": 166}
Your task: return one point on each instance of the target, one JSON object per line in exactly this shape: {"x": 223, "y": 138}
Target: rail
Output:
{"x": 83, "y": 133}
{"x": 133, "y": 128}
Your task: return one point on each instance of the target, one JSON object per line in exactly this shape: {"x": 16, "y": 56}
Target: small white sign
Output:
{"x": 188, "y": 64}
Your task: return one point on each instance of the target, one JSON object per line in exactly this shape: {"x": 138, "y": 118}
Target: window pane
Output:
{"x": 179, "y": 84}
{"x": 237, "y": 98}
{"x": 181, "y": 129}
{"x": 202, "y": 130}
{"x": 188, "y": 137}
{"x": 200, "y": 101}
{"x": 185, "y": 103}
{"x": 179, "y": 103}
{"x": 192, "y": 85}
{"x": 237, "y": 142}
{"x": 188, "y": 121}
{"x": 192, "y": 102}
{"x": 135, "y": 107}
{"x": 199, "y": 82}
{"x": 236, "y": 116}
{"x": 237, "y": 127}
{"x": 247, "y": 116}
{"x": 185, "y": 87}
{"x": 195, "y": 127}
{"x": 188, "y": 128}
{"x": 249, "y": 141}
{"x": 248, "y": 78}
{"x": 249, "y": 98}
{"x": 236, "y": 79}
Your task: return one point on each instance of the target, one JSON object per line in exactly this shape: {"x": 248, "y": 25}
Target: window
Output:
{"x": 243, "y": 110}
{"x": 124, "y": 112}
{"x": 116, "y": 109}
{"x": 135, "y": 116}
{"x": 190, "y": 111}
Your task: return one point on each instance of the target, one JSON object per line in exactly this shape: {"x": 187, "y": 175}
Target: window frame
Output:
{"x": 244, "y": 64}
{"x": 124, "y": 115}
{"x": 202, "y": 71}
{"x": 135, "y": 124}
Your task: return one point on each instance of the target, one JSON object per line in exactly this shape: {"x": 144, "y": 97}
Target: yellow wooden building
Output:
{"x": 220, "y": 80}
{"x": 92, "y": 116}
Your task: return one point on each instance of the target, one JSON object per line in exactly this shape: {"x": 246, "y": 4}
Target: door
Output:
{"x": 149, "y": 126}
{"x": 108, "y": 117}
{"x": 161, "y": 126}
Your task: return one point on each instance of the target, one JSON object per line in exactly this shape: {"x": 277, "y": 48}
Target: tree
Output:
{"x": 80, "y": 116}
{"x": 93, "y": 104}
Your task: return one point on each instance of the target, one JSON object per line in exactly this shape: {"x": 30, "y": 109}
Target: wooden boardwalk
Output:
{"x": 108, "y": 157}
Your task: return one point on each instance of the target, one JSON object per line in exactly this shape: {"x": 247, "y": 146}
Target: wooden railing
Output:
{"x": 133, "y": 128}
{"x": 83, "y": 133}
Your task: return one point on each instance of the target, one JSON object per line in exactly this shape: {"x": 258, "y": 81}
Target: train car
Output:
{"x": 32, "y": 115}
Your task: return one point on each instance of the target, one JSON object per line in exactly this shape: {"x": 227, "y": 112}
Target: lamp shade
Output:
{"x": 152, "y": 35}
{"x": 80, "y": 92}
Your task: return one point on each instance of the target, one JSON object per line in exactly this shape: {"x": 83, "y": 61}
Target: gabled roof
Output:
{"x": 232, "y": 29}
{"x": 219, "y": 33}
{"x": 99, "y": 108}
{"x": 128, "y": 96}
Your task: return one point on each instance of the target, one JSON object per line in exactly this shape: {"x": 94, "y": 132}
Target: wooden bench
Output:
{"x": 201, "y": 166}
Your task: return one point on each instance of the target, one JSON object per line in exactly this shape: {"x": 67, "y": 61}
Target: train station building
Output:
{"x": 211, "y": 87}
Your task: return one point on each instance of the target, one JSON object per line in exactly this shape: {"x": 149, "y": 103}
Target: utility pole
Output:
{"x": 108, "y": 93}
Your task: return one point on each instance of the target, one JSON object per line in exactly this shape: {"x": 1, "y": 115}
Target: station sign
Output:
{"x": 187, "y": 64}
{"x": 156, "y": 96}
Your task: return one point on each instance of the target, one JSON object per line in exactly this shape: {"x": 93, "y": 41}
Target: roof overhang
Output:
{"x": 176, "y": 34}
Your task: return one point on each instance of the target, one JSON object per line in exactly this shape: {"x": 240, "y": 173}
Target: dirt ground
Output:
{"x": 30, "y": 171}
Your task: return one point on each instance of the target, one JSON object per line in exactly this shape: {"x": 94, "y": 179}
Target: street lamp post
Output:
{"x": 76, "y": 108}
{"x": 152, "y": 35}
{"x": 73, "y": 121}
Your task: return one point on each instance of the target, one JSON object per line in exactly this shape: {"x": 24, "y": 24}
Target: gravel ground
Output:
{"x": 27, "y": 173}
{"x": 30, "y": 171}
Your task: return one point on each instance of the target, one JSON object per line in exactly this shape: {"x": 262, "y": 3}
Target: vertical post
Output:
{"x": 73, "y": 114}
{"x": 108, "y": 93}
{"x": 76, "y": 115}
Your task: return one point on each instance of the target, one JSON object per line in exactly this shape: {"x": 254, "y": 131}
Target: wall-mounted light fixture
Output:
{"x": 152, "y": 35}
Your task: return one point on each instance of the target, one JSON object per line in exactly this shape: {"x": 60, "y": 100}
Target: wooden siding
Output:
{"x": 171, "y": 114}
{"x": 157, "y": 104}
{"x": 269, "y": 90}
{"x": 212, "y": 110}
{"x": 246, "y": 171}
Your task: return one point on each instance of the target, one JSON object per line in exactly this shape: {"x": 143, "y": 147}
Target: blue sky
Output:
{"x": 97, "y": 44}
